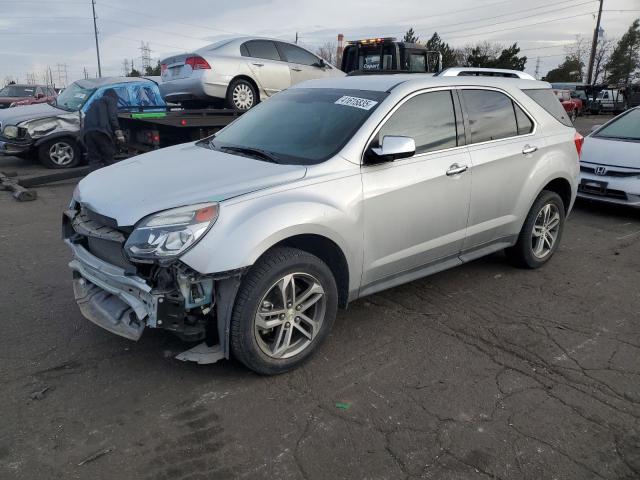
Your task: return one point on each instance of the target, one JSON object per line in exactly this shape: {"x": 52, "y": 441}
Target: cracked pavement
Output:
{"x": 483, "y": 371}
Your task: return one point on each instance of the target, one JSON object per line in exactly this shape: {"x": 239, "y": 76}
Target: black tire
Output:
{"x": 233, "y": 100}
{"x": 262, "y": 277}
{"x": 522, "y": 253}
{"x": 574, "y": 115}
{"x": 50, "y": 159}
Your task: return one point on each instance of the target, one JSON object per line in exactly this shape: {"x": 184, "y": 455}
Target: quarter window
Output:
{"x": 493, "y": 115}
{"x": 260, "y": 49}
{"x": 428, "y": 118}
{"x": 298, "y": 55}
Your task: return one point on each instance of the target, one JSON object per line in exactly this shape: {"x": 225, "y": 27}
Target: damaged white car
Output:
{"x": 248, "y": 241}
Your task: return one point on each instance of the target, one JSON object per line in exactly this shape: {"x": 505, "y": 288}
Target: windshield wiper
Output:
{"x": 251, "y": 152}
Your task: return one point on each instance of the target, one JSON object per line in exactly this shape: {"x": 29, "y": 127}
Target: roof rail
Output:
{"x": 484, "y": 72}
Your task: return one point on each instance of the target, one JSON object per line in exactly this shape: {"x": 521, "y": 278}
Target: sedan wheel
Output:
{"x": 243, "y": 97}
{"x": 61, "y": 154}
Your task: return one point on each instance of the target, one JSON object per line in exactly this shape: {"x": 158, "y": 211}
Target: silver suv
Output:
{"x": 249, "y": 240}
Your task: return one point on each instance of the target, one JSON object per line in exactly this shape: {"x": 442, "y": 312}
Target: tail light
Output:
{"x": 197, "y": 63}
{"x": 578, "y": 140}
{"x": 163, "y": 68}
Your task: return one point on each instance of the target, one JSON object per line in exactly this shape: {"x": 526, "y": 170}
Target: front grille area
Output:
{"x": 602, "y": 191}
{"x": 611, "y": 172}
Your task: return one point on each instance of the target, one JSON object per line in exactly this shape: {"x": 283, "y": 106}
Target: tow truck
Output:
{"x": 388, "y": 55}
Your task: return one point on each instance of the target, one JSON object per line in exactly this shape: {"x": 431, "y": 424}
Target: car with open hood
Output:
{"x": 53, "y": 129}
{"x": 249, "y": 240}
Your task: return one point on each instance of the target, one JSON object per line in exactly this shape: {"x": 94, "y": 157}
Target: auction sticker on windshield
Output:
{"x": 356, "y": 102}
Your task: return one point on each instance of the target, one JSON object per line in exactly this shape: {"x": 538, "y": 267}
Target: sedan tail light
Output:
{"x": 578, "y": 140}
{"x": 197, "y": 63}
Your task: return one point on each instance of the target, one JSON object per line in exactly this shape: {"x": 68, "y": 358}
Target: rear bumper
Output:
{"x": 200, "y": 87}
{"x": 120, "y": 303}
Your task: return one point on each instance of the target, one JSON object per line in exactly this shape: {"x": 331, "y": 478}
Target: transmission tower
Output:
{"x": 145, "y": 57}
{"x": 62, "y": 74}
{"x": 125, "y": 67}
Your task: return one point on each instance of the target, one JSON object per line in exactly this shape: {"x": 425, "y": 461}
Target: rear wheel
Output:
{"x": 541, "y": 232}
{"x": 284, "y": 310}
{"x": 59, "y": 153}
{"x": 241, "y": 95}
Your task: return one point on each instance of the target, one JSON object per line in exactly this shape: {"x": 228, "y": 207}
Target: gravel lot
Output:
{"x": 484, "y": 371}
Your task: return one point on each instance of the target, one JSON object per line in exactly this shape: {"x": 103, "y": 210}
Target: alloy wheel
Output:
{"x": 61, "y": 153}
{"x": 243, "y": 96}
{"x": 545, "y": 230}
{"x": 290, "y": 315}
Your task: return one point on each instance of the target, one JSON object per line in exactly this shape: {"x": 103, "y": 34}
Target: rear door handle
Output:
{"x": 259, "y": 64}
{"x": 529, "y": 149}
{"x": 296, "y": 69}
{"x": 456, "y": 169}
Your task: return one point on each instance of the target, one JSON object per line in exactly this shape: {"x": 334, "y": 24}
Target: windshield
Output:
{"x": 17, "y": 91}
{"x": 300, "y": 126}
{"x": 74, "y": 97}
{"x": 625, "y": 127}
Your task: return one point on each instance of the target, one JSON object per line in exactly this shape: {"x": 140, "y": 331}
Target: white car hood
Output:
{"x": 176, "y": 176}
{"x": 611, "y": 152}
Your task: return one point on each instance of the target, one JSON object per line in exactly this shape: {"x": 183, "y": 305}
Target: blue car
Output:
{"x": 53, "y": 130}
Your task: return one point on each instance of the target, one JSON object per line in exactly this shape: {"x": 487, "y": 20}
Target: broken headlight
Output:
{"x": 167, "y": 235}
{"x": 10, "y": 131}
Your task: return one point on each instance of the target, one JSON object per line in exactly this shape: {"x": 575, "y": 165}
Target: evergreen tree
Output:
{"x": 625, "y": 58}
{"x": 410, "y": 36}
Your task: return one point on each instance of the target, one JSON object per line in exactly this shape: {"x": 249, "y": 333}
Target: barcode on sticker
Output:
{"x": 363, "y": 103}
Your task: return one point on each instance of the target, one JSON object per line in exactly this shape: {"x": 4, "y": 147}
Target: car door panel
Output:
{"x": 416, "y": 209}
{"x": 414, "y": 213}
{"x": 270, "y": 72}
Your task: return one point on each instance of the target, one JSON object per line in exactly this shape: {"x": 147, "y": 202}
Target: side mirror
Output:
{"x": 39, "y": 96}
{"x": 321, "y": 63}
{"x": 595, "y": 127}
{"x": 393, "y": 148}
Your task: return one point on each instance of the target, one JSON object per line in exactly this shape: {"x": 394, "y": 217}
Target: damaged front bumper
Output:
{"x": 122, "y": 304}
{"x": 125, "y": 298}
{"x": 10, "y": 147}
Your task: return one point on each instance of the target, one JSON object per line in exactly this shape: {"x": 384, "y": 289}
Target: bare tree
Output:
{"x": 328, "y": 52}
{"x": 603, "y": 52}
{"x": 580, "y": 51}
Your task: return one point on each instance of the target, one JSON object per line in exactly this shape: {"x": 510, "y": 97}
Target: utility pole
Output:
{"x": 594, "y": 45}
{"x": 95, "y": 32}
{"x": 296, "y": 37}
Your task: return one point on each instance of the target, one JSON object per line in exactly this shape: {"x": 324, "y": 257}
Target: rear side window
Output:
{"x": 428, "y": 118}
{"x": 260, "y": 49}
{"x": 547, "y": 100}
{"x": 298, "y": 55}
{"x": 491, "y": 115}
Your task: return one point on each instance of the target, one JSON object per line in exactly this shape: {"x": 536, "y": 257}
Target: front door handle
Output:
{"x": 259, "y": 64}
{"x": 296, "y": 69}
{"x": 529, "y": 149}
{"x": 456, "y": 169}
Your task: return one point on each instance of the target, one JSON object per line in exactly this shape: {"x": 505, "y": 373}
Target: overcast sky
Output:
{"x": 38, "y": 34}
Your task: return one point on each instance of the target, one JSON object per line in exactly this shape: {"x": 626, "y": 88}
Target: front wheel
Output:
{"x": 541, "y": 232}
{"x": 284, "y": 310}
{"x": 59, "y": 153}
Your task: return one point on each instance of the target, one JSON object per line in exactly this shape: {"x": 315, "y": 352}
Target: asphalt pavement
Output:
{"x": 483, "y": 371}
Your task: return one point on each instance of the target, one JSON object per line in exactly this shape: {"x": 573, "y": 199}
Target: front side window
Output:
{"x": 261, "y": 49}
{"x": 428, "y": 118}
{"x": 302, "y": 126}
{"x": 298, "y": 55}
{"x": 491, "y": 115}
{"x": 625, "y": 127}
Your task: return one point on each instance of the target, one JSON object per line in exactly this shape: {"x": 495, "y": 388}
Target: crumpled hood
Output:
{"x": 21, "y": 113}
{"x": 176, "y": 176}
{"x": 611, "y": 152}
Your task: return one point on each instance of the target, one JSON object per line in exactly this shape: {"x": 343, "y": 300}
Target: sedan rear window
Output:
{"x": 300, "y": 126}
{"x": 547, "y": 100}
{"x": 625, "y": 127}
